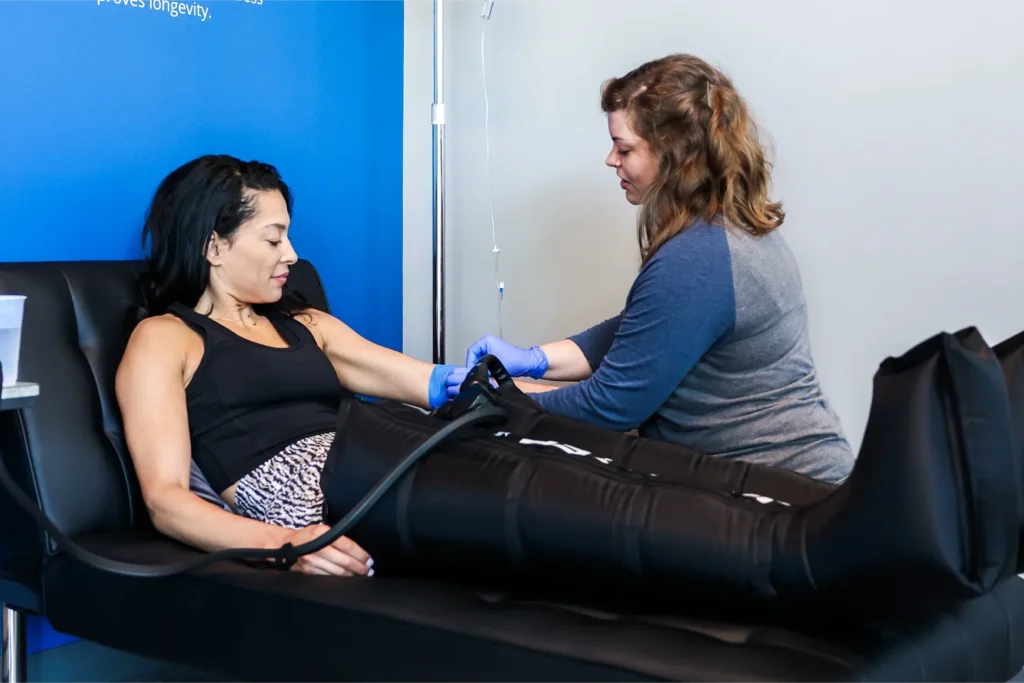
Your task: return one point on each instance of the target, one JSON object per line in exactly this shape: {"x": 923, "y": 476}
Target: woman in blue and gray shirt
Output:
{"x": 711, "y": 350}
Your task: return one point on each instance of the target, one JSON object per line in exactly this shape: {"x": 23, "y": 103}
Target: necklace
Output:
{"x": 233, "y": 320}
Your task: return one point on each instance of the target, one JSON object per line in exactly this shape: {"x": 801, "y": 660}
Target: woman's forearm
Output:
{"x": 183, "y": 516}
{"x": 566, "y": 362}
{"x": 530, "y": 387}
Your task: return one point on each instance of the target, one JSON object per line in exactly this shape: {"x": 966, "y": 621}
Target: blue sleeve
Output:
{"x": 681, "y": 304}
{"x": 596, "y": 341}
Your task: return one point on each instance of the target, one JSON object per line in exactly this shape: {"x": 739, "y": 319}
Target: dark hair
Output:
{"x": 211, "y": 194}
{"x": 710, "y": 161}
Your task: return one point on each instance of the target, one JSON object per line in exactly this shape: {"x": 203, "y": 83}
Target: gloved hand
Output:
{"x": 531, "y": 362}
{"x": 453, "y": 382}
{"x": 437, "y": 389}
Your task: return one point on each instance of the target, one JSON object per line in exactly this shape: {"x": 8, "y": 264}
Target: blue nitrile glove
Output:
{"x": 453, "y": 382}
{"x": 531, "y": 362}
{"x": 437, "y": 392}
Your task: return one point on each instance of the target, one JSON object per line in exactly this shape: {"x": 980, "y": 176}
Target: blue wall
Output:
{"x": 102, "y": 99}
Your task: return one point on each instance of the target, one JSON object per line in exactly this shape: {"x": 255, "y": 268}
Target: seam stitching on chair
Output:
{"x": 96, "y": 385}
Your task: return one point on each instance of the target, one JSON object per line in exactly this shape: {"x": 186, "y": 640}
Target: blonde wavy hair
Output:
{"x": 710, "y": 160}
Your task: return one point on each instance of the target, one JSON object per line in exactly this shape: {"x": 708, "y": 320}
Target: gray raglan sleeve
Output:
{"x": 681, "y": 304}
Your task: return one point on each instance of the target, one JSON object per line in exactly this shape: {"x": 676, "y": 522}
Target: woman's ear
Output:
{"x": 213, "y": 250}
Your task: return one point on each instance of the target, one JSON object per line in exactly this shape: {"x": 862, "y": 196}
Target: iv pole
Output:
{"x": 437, "y": 121}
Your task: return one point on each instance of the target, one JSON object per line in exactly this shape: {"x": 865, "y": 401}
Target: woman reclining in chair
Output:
{"x": 230, "y": 370}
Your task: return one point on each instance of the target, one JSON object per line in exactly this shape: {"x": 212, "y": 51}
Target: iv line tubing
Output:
{"x": 498, "y": 284}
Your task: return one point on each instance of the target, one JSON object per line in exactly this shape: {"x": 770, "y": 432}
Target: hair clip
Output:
{"x": 707, "y": 97}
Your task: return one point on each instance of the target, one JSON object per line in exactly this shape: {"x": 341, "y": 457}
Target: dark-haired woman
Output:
{"x": 230, "y": 375}
{"x": 712, "y": 349}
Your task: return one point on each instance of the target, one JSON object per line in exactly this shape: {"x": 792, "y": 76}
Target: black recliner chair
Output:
{"x": 243, "y": 622}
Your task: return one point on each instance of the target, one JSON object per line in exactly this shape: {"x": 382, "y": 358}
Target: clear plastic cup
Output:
{"x": 12, "y": 315}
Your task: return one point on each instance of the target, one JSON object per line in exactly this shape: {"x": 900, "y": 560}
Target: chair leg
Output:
{"x": 14, "y": 648}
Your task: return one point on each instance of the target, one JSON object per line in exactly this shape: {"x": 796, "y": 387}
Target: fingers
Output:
{"x": 453, "y": 383}
{"x": 320, "y": 565}
{"x": 344, "y": 557}
{"x": 303, "y": 567}
{"x": 480, "y": 348}
{"x": 333, "y": 562}
{"x": 342, "y": 561}
{"x": 350, "y": 547}
{"x": 475, "y": 353}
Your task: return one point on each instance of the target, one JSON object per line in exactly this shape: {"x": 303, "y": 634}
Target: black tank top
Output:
{"x": 247, "y": 401}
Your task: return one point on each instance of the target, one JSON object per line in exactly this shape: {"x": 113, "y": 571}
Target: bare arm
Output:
{"x": 566, "y": 363}
{"x": 151, "y": 392}
{"x": 370, "y": 369}
{"x": 530, "y": 387}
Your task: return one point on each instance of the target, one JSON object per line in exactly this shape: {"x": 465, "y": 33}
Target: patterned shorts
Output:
{"x": 285, "y": 490}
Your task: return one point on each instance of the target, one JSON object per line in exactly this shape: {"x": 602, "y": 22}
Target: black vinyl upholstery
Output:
{"x": 261, "y": 624}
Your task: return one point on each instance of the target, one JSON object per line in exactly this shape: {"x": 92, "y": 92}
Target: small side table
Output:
{"x": 19, "y": 395}
{"x": 13, "y": 646}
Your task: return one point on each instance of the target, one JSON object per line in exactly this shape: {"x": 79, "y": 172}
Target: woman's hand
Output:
{"x": 531, "y": 362}
{"x": 341, "y": 558}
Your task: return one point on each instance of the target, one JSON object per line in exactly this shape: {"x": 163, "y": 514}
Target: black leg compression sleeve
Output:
{"x": 1011, "y": 355}
{"x": 928, "y": 515}
{"x": 668, "y": 462}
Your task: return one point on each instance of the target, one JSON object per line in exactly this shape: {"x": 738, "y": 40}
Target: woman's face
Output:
{"x": 253, "y": 265}
{"x": 631, "y": 157}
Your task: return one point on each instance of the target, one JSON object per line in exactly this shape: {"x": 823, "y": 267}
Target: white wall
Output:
{"x": 417, "y": 160}
{"x": 899, "y": 155}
